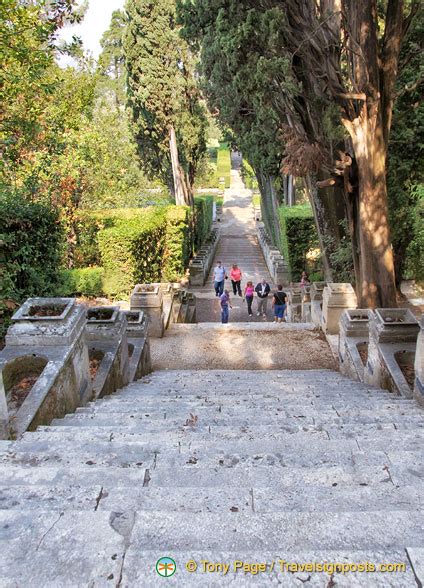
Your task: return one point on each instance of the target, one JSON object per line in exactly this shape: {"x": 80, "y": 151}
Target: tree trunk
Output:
{"x": 376, "y": 256}
{"x": 180, "y": 187}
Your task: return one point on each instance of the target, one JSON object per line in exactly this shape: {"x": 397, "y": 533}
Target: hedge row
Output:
{"x": 88, "y": 281}
{"x": 203, "y": 211}
{"x": 298, "y": 237}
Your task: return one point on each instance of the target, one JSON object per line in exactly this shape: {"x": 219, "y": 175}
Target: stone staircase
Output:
{"x": 257, "y": 466}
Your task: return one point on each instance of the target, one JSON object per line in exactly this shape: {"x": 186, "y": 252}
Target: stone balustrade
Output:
{"x": 419, "y": 366}
{"x": 353, "y": 342}
{"x": 336, "y": 298}
{"x": 106, "y": 335}
{"x": 316, "y": 292}
{"x": 393, "y": 336}
{"x": 200, "y": 265}
{"x": 275, "y": 262}
{"x": 140, "y": 362}
{"x": 149, "y": 299}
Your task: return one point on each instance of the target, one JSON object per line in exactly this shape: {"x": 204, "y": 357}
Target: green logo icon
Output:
{"x": 166, "y": 567}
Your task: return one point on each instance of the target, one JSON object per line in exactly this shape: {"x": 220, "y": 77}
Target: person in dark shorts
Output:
{"x": 279, "y": 304}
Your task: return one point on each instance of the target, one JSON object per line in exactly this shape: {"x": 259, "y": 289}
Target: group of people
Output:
{"x": 262, "y": 291}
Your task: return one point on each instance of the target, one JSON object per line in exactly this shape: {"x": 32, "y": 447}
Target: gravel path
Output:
{"x": 233, "y": 347}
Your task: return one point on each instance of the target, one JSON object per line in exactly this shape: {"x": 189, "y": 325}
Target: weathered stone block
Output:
{"x": 149, "y": 299}
{"x": 393, "y": 335}
{"x": 336, "y": 298}
{"x": 353, "y": 342}
{"x": 316, "y": 290}
{"x": 140, "y": 362}
{"x": 419, "y": 366}
{"x": 46, "y": 333}
{"x": 106, "y": 332}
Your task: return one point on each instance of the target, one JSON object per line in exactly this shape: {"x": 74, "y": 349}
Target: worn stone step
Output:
{"x": 404, "y": 440}
{"x": 205, "y": 411}
{"x": 197, "y": 500}
{"x": 186, "y": 476}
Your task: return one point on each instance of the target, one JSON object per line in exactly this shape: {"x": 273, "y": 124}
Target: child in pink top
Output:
{"x": 235, "y": 276}
{"x": 248, "y": 294}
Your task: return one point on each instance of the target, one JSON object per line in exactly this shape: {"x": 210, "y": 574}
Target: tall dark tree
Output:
{"x": 169, "y": 121}
{"x": 343, "y": 55}
{"x": 111, "y": 60}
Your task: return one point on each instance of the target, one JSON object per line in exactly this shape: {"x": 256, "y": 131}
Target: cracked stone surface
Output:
{"x": 305, "y": 466}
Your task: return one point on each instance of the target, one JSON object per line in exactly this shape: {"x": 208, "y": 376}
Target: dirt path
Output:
{"x": 248, "y": 346}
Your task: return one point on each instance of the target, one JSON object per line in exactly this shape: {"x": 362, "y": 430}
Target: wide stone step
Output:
{"x": 403, "y": 440}
{"x": 205, "y": 411}
{"x": 116, "y": 454}
{"x": 224, "y": 500}
{"x": 266, "y": 477}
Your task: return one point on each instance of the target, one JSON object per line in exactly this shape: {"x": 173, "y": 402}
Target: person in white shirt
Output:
{"x": 219, "y": 276}
{"x": 262, "y": 290}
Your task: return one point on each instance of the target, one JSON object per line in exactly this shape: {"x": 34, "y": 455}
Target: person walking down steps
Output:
{"x": 262, "y": 290}
{"x": 279, "y": 304}
{"x": 248, "y": 296}
{"x": 235, "y": 276}
{"x": 225, "y": 306}
{"x": 219, "y": 277}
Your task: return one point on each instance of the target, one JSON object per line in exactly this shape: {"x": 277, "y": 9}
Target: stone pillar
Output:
{"x": 335, "y": 299}
{"x": 149, "y": 299}
{"x": 419, "y": 366}
{"x": 138, "y": 344}
{"x": 353, "y": 342}
{"x": 106, "y": 332}
{"x": 294, "y": 305}
{"x": 392, "y": 330}
{"x": 306, "y": 304}
{"x": 316, "y": 291}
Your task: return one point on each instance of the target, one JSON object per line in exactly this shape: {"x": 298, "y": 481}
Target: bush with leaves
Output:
{"x": 298, "y": 237}
{"x": 86, "y": 281}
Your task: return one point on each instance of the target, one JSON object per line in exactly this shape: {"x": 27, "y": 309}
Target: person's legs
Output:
{"x": 239, "y": 288}
{"x": 249, "y": 300}
{"x": 216, "y": 286}
{"x": 234, "y": 284}
{"x": 224, "y": 314}
{"x": 260, "y": 302}
{"x": 278, "y": 312}
{"x": 264, "y": 306}
{"x": 221, "y": 287}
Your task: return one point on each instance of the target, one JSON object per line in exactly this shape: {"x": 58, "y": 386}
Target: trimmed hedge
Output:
{"x": 132, "y": 251}
{"x": 298, "y": 236}
{"x": 203, "y": 212}
{"x": 177, "y": 243}
{"x": 86, "y": 281}
{"x": 33, "y": 238}
{"x": 223, "y": 165}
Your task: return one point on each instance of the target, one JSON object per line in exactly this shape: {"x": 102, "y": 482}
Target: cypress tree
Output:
{"x": 163, "y": 96}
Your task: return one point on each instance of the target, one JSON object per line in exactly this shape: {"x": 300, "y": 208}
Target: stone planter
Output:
{"x": 197, "y": 272}
{"x": 47, "y": 335}
{"x": 149, "y": 299}
{"x": 336, "y": 298}
{"x": 294, "y": 305}
{"x": 138, "y": 344}
{"x": 393, "y": 335}
{"x": 306, "y": 305}
{"x": 106, "y": 333}
{"x": 419, "y": 366}
{"x": 316, "y": 290}
{"x": 353, "y": 342}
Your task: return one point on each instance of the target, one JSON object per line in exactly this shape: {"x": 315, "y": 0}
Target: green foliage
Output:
{"x": 203, "y": 212}
{"x": 177, "y": 243}
{"x": 132, "y": 251}
{"x": 81, "y": 282}
{"x": 33, "y": 238}
{"x": 162, "y": 91}
{"x": 111, "y": 61}
{"x": 248, "y": 175}
{"x": 405, "y": 180}
{"x": 298, "y": 237}
{"x": 223, "y": 166}
{"x": 340, "y": 256}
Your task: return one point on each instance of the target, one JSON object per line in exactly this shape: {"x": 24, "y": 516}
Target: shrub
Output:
{"x": 298, "y": 237}
{"x": 132, "y": 251}
{"x": 203, "y": 211}
{"x": 177, "y": 242}
{"x": 84, "y": 282}
{"x": 32, "y": 237}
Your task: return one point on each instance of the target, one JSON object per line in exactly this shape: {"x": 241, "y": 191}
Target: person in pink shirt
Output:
{"x": 235, "y": 276}
{"x": 248, "y": 295}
